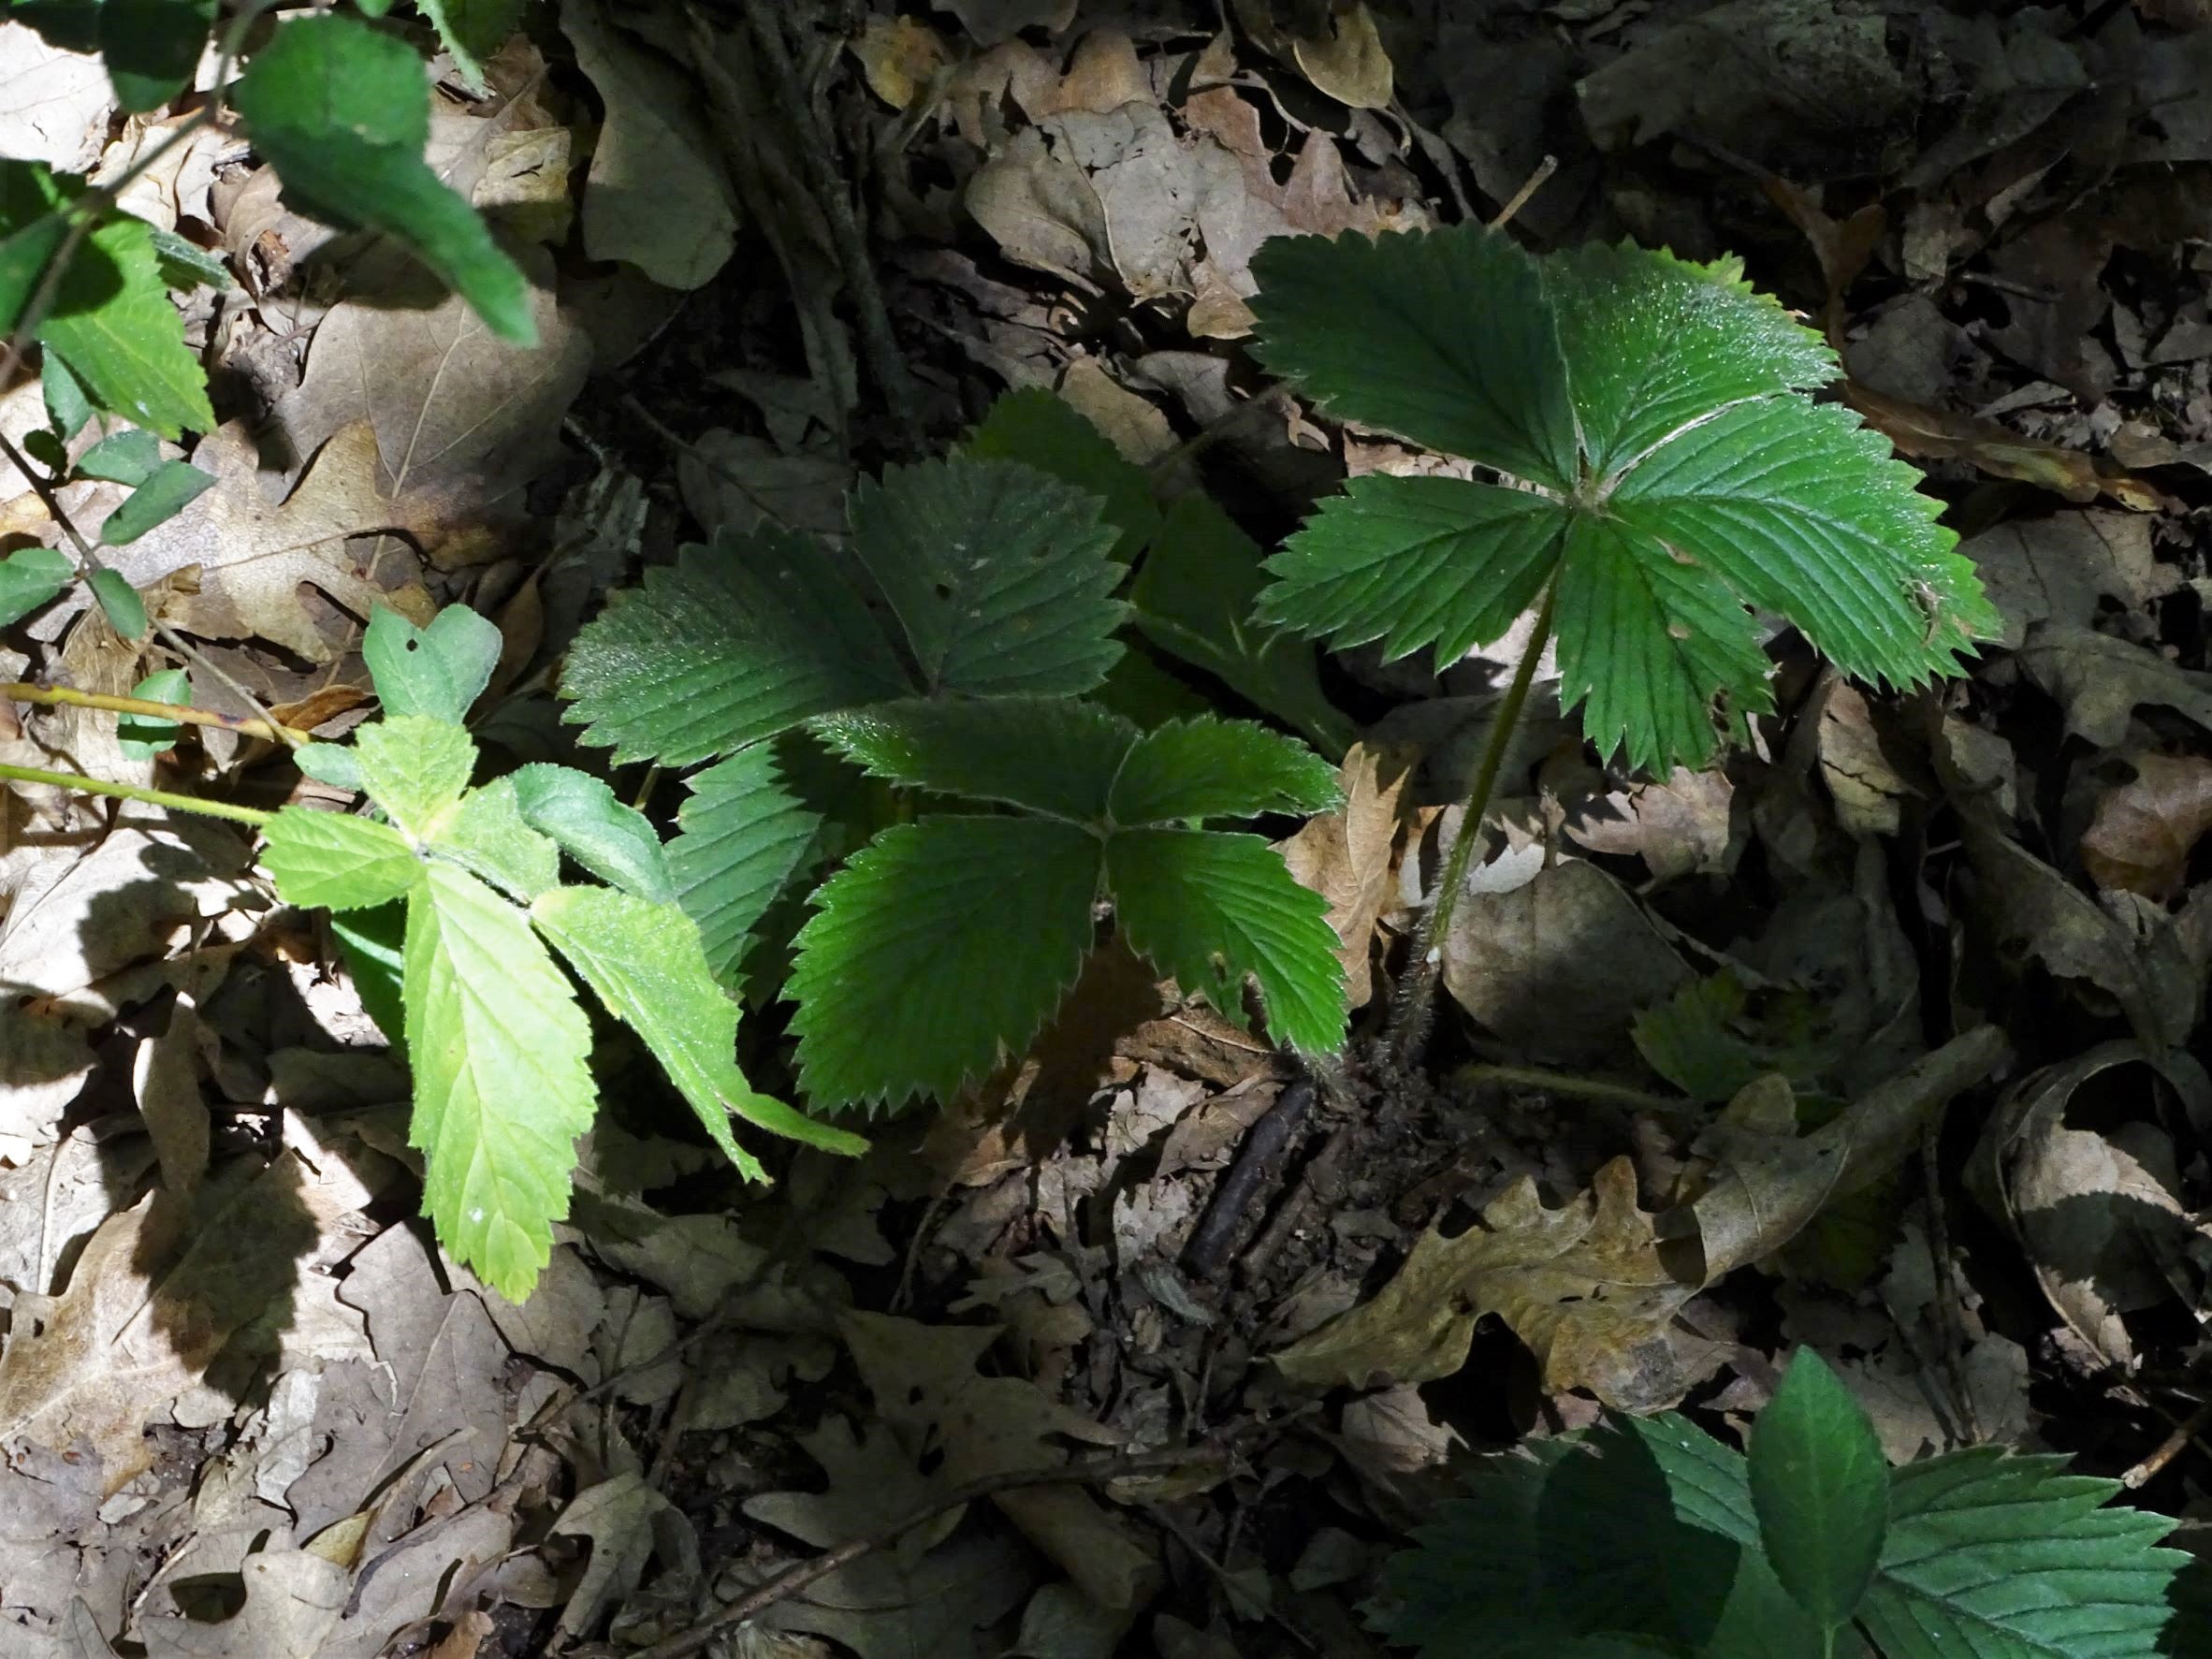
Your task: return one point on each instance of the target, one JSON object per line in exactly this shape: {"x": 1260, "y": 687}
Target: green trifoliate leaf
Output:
{"x": 342, "y": 113}
{"x": 142, "y": 737}
{"x": 414, "y": 767}
{"x": 644, "y": 963}
{"x": 1446, "y": 337}
{"x": 1201, "y": 768}
{"x": 1210, "y": 909}
{"x": 2008, "y": 1558}
{"x": 30, "y": 577}
{"x": 123, "y": 457}
{"x": 1679, "y": 477}
{"x": 439, "y": 671}
{"x": 333, "y": 861}
{"x": 900, "y": 990}
{"x": 742, "y": 835}
{"x": 1821, "y": 1487}
{"x": 737, "y": 641}
{"x": 615, "y": 842}
{"x": 151, "y": 47}
{"x": 485, "y": 832}
{"x": 998, "y": 573}
{"x": 125, "y": 342}
{"x": 1048, "y": 754}
{"x": 1039, "y": 429}
{"x": 168, "y": 490}
{"x": 472, "y": 30}
{"x": 118, "y": 603}
{"x": 497, "y": 1044}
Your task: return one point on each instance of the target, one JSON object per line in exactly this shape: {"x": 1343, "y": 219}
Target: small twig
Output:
{"x": 1950, "y": 1332}
{"x": 1545, "y": 168}
{"x": 176, "y": 713}
{"x": 1567, "y": 1082}
{"x": 816, "y": 145}
{"x": 1317, "y": 1177}
{"x": 1085, "y": 1471}
{"x": 2169, "y": 1448}
{"x": 131, "y": 791}
{"x": 1225, "y": 1214}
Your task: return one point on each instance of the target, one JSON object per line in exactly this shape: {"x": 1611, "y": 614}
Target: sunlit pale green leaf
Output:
{"x": 414, "y": 767}
{"x": 899, "y": 990}
{"x": 342, "y": 113}
{"x": 439, "y": 671}
{"x": 373, "y": 944}
{"x": 142, "y": 737}
{"x": 643, "y": 961}
{"x": 486, "y": 833}
{"x": 616, "y": 842}
{"x": 497, "y": 1043}
{"x": 334, "y": 861}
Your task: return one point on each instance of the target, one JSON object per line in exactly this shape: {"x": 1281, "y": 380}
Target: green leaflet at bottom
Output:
{"x": 937, "y": 943}
{"x": 644, "y": 963}
{"x": 498, "y": 1045}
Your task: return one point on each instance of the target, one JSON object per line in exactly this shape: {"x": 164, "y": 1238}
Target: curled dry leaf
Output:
{"x": 2098, "y": 1213}
{"x": 1935, "y": 435}
{"x": 2143, "y": 830}
{"x": 1594, "y": 1286}
{"x": 1349, "y": 856}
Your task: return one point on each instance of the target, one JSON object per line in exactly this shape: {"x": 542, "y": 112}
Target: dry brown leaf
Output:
{"x": 2143, "y": 831}
{"x": 1935, "y": 435}
{"x": 255, "y": 554}
{"x": 1592, "y": 1287}
{"x": 1348, "y": 63}
{"x": 1349, "y": 856}
{"x": 898, "y": 55}
{"x": 294, "y": 1600}
{"x": 463, "y": 420}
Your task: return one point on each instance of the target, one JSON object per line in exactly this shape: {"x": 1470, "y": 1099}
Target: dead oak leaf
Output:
{"x": 1349, "y": 856}
{"x": 256, "y": 555}
{"x": 2143, "y": 831}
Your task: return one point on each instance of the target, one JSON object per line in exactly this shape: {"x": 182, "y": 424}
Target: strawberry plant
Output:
{"x": 997, "y": 580}
{"x": 1648, "y": 1536}
{"x": 1656, "y": 474}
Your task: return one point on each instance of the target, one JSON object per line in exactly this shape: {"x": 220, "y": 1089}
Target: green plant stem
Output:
{"x": 1567, "y": 1082}
{"x": 132, "y": 792}
{"x": 178, "y": 713}
{"x": 1413, "y": 1004}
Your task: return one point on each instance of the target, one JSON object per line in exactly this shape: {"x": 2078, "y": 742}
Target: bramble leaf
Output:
{"x": 484, "y": 832}
{"x": 998, "y": 573}
{"x": 1821, "y": 1487}
{"x": 1210, "y": 909}
{"x": 414, "y": 767}
{"x": 1675, "y": 477}
{"x": 472, "y": 30}
{"x": 333, "y": 861}
{"x": 615, "y": 842}
{"x": 152, "y": 47}
{"x": 126, "y": 458}
{"x": 123, "y": 341}
{"x": 644, "y": 962}
{"x": 118, "y": 603}
{"x": 497, "y": 1044}
{"x": 439, "y": 671}
{"x": 737, "y": 642}
{"x": 167, "y": 491}
{"x": 374, "y": 943}
{"x": 342, "y": 113}
{"x": 900, "y": 991}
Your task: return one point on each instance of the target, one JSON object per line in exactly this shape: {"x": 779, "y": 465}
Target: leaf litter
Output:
{"x": 1710, "y": 1023}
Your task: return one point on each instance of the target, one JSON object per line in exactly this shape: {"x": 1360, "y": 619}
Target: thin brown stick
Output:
{"x": 1567, "y": 1082}
{"x": 1950, "y": 1330}
{"x": 183, "y": 714}
{"x": 1545, "y": 168}
{"x": 2169, "y": 1448}
{"x": 1086, "y": 1471}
